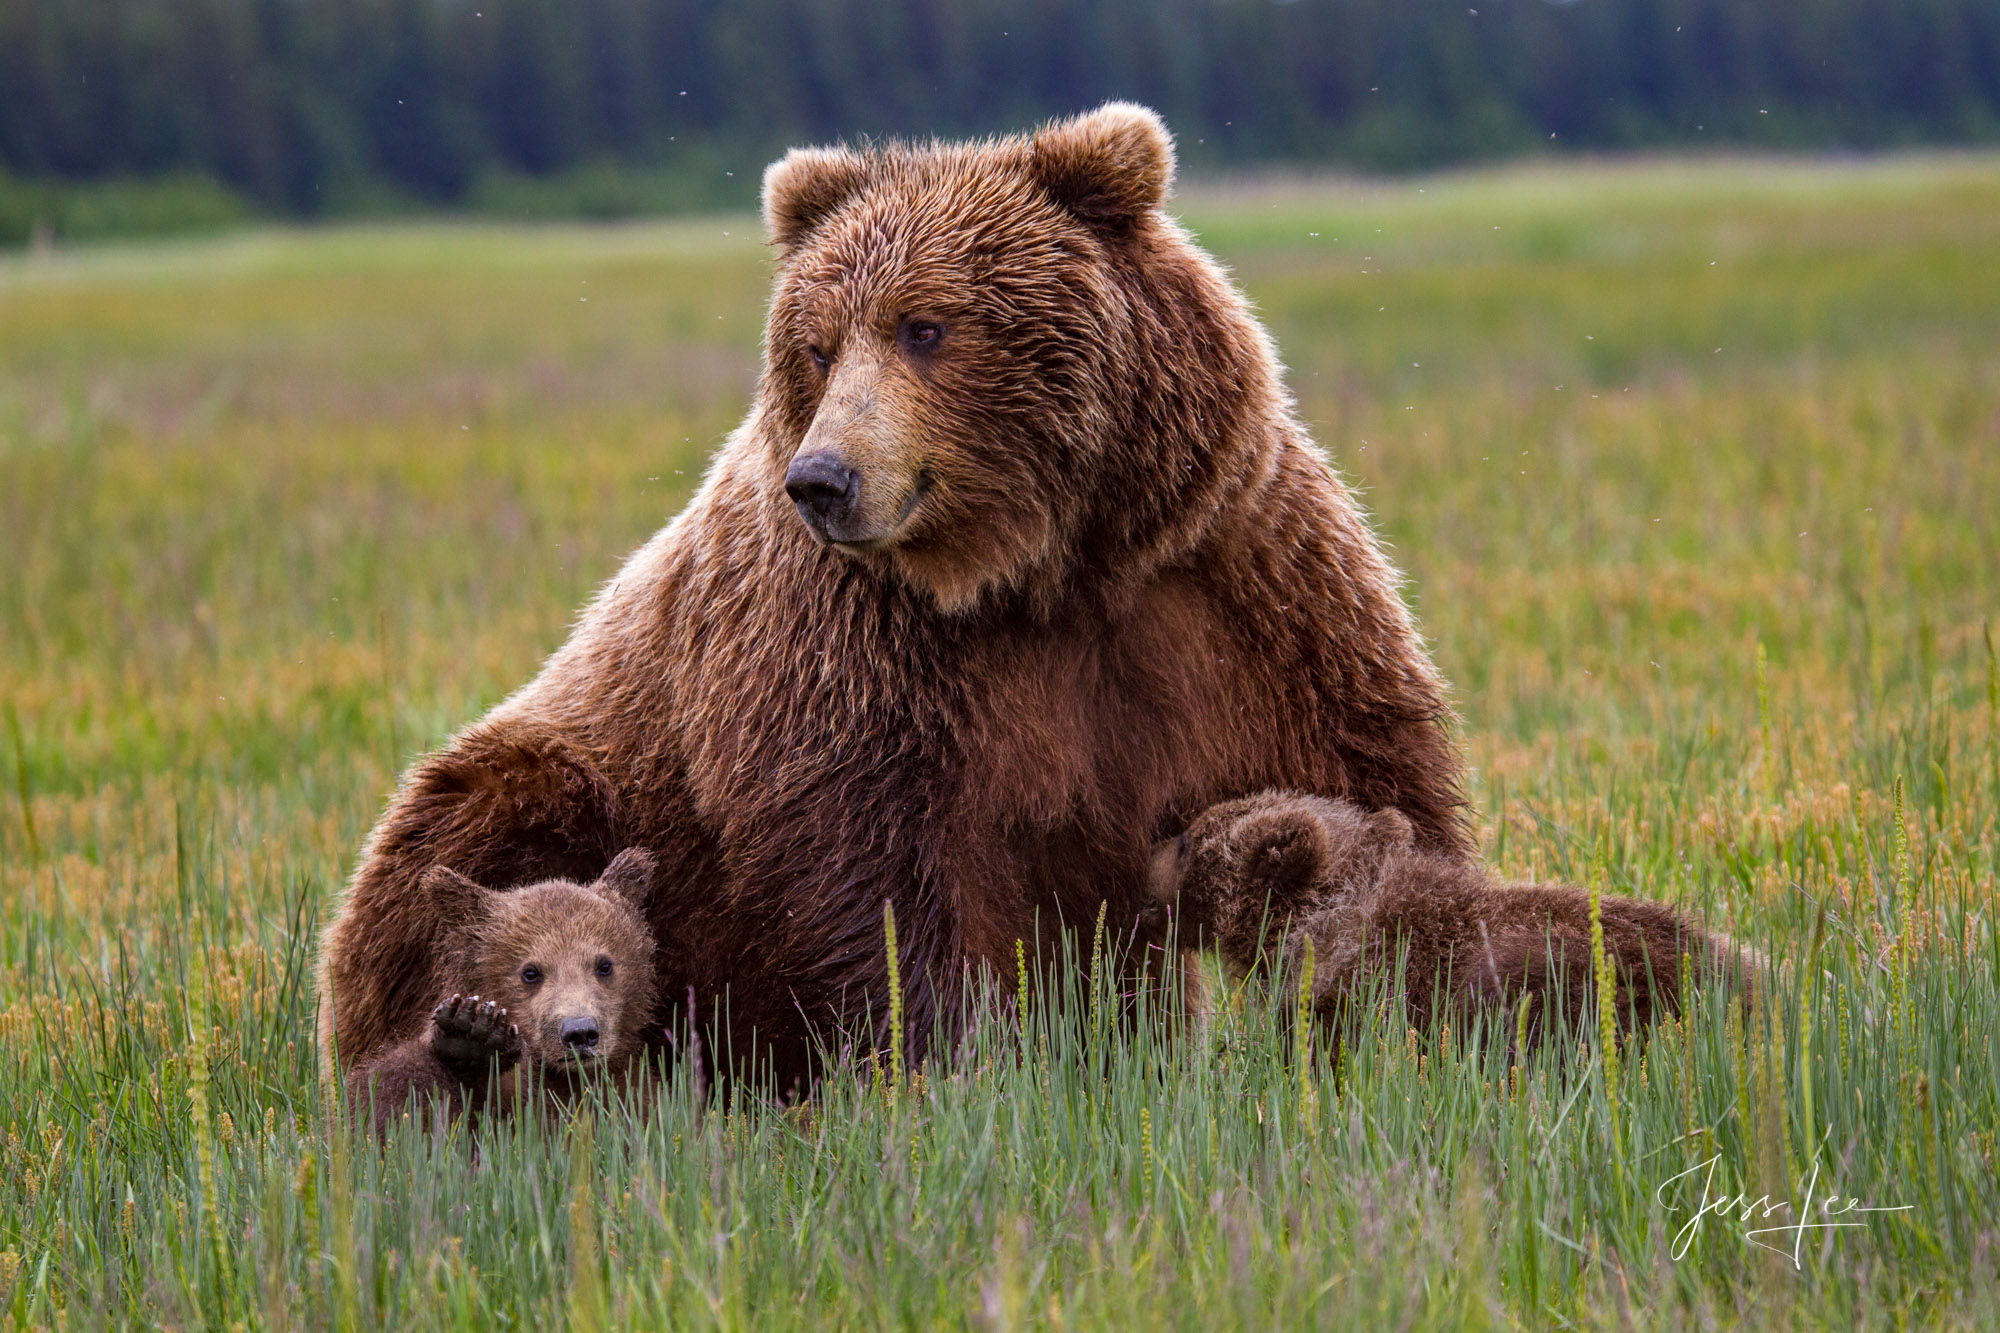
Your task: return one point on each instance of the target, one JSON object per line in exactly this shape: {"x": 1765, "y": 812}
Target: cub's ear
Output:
{"x": 452, "y": 895}
{"x": 1283, "y": 854}
{"x": 1392, "y": 831}
{"x": 804, "y": 186}
{"x": 629, "y": 876}
{"x": 1107, "y": 166}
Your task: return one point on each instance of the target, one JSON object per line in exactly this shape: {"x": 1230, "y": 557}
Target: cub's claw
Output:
{"x": 469, "y": 1033}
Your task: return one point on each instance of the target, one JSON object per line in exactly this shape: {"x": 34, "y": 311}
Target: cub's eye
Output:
{"x": 531, "y": 975}
{"x": 921, "y": 335}
{"x": 821, "y": 361}
{"x": 603, "y": 967}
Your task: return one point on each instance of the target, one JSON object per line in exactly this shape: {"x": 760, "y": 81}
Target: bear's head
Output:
{"x": 998, "y": 365}
{"x": 1245, "y": 867}
{"x": 571, "y": 963}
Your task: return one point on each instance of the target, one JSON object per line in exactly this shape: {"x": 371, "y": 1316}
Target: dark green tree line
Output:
{"x": 309, "y": 105}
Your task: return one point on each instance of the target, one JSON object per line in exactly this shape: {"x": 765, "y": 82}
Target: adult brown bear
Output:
{"x": 1019, "y": 562}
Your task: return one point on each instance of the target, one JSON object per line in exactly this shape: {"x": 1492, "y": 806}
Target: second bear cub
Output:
{"x": 558, "y": 975}
{"x": 1257, "y": 877}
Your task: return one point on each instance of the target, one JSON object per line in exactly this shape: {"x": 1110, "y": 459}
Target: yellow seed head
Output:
{"x": 895, "y": 998}
{"x": 305, "y": 1179}
{"x": 1021, "y": 985}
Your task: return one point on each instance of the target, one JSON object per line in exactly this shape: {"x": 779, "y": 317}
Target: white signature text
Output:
{"x": 1815, "y": 1213}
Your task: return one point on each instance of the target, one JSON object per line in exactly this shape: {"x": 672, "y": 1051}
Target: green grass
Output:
{"x": 1693, "y": 467}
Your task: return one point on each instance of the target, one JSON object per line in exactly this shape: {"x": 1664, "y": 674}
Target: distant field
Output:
{"x": 1694, "y": 468}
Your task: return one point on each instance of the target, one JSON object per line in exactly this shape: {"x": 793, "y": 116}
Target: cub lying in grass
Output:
{"x": 557, "y": 974}
{"x": 1257, "y": 877}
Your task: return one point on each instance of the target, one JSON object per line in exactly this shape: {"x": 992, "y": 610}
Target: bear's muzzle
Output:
{"x": 827, "y": 492}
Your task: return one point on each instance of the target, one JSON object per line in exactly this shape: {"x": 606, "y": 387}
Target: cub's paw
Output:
{"x": 469, "y": 1034}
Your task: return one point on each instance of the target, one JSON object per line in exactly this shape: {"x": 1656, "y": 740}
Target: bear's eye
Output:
{"x": 821, "y": 361}
{"x": 921, "y": 335}
{"x": 603, "y": 967}
{"x": 531, "y": 975}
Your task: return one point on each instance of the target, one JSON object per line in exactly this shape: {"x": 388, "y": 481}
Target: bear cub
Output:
{"x": 556, "y": 976}
{"x": 1257, "y": 877}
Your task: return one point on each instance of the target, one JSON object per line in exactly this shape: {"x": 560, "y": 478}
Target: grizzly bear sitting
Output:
{"x": 566, "y": 972}
{"x": 1259, "y": 877}
{"x": 1020, "y": 559}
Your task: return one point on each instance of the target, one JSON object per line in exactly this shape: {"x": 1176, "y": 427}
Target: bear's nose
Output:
{"x": 825, "y": 489}
{"x": 580, "y": 1034}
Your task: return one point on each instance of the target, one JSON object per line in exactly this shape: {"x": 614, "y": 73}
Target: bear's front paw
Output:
{"x": 469, "y": 1035}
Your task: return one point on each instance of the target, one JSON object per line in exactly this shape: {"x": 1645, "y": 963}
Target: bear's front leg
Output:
{"x": 405, "y": 1076}
{"x": 470, "y": 1043}
{"x": 505, "y": 803}
{"x": 474, "y": 1040}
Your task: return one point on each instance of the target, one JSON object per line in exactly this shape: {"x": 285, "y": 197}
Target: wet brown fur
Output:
{"x": 567, "y": 931}
{"x": 1259, "y": 876}
{"x": 1112, "y": 583}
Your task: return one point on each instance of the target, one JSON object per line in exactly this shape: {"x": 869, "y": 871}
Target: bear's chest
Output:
{"x": 1082, "y": 742}
{"x": 853, "y": 755}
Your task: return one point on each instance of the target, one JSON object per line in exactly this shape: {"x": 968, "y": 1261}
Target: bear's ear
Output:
{"x": 629, "y": 876}
{"x": 1107, "y": 166}
{"x": 1283, "y": 853}
{"x": 1391, "y": 830}
{"x": 807, "y": 184}
{"x": 452, "y": 896}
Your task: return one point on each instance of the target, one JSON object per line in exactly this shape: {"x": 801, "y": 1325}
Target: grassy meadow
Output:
{"x": 1694, "y": 468}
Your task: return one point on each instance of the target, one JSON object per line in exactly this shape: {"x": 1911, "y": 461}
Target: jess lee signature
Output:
{"x": 1831, "y": 1208}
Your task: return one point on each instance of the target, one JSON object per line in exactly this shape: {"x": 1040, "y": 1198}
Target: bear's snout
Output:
{"x": 827, "y": 492}
{"x": 579, "y": 1035}
{"x": 1166, "y": 869}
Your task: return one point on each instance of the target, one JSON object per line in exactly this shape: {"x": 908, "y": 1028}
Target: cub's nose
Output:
{"x": 825, "y": 489}
{"x": 580, "y": 1035}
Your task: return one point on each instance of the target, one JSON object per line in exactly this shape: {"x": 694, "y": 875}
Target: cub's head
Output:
{"x": 572, "y": 963}
{"x": 1245, "y": 867}
{"x": 974, "y": 349}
